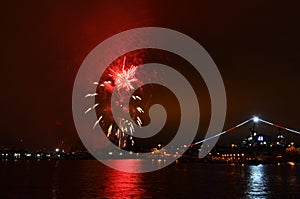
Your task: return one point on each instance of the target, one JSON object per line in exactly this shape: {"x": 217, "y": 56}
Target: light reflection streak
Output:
{"x": 125, "y": 185}
{"x": 257, "y": 182}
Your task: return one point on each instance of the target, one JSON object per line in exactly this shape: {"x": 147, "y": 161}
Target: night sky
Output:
{"x": 255, "y": 44}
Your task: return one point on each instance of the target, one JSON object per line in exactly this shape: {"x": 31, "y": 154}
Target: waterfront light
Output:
{"x": 255, "y": 119}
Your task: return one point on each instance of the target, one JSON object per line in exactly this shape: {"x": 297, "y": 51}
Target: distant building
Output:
{"x": 280, "y": 141}
{"x": 261, "y": 140}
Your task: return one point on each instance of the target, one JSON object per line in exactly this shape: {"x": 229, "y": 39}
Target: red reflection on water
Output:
{"x": 124, "y": 185}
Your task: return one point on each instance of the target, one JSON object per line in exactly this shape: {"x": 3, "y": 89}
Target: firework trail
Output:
{"x": 91, "y": 95}
{"x": 97, "y": 122}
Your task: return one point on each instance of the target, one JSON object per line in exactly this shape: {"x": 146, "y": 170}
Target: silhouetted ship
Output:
{"x": 255, "y": 149}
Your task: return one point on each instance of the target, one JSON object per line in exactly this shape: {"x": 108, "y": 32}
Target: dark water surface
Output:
{"x": 91, "y": 179}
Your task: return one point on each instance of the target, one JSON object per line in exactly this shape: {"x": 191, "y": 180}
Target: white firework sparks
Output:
{"x": 138, "y": 97}
{"x": 91, "y": 95}
{"x": 140, "y": 109}
{"x": 139, "y": 121}
{"x": 109, "y": 130}
{"x": 91, "y": 108}
{"x": 125, "y": 77}
{"x": 97, "y": 122}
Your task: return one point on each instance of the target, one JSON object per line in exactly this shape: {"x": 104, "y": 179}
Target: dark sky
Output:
{"x": 255, "y": 44}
